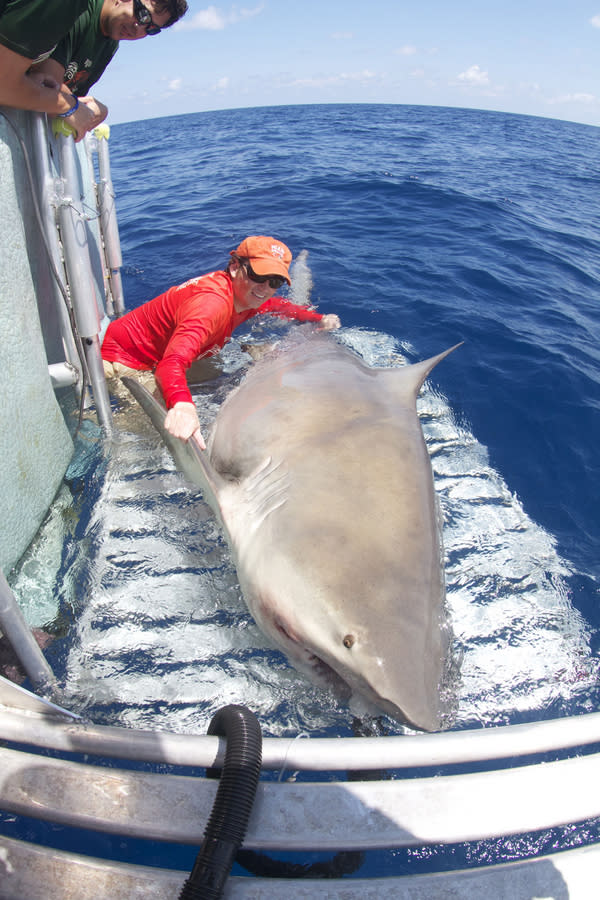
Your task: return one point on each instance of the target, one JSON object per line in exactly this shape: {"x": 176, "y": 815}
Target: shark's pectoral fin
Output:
{"x": 247, "y": 503}
{"x": 189, "y": 458}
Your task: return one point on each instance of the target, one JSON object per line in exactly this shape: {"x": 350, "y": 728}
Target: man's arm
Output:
{"x": 90, "y": 112}
{"x": 19, "y": 89}
{"x": 204, "y": 322}
{"x": 284, "y": 309}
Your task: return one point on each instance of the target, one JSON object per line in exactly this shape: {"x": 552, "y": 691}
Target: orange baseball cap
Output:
{"x": 266, "y": 255}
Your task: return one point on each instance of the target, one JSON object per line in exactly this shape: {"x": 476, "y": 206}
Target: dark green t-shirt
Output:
{"x": 85, "y": 52}
{"x": 33, "y": 28}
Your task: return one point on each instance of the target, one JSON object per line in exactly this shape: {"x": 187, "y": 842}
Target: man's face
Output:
{"x": 247, "y": 294}
{"x": 119, "y": 22}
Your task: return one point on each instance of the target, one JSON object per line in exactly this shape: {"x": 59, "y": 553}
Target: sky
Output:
{"x": 519, "y": 56}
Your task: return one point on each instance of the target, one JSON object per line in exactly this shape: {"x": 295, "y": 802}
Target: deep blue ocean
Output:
{"x": 423, "y": 227}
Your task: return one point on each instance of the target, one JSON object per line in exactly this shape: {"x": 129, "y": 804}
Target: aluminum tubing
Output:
{"x": 22, "y": 641}
{"x": 75, "y": 244}
{"x": 108, "y": 221}
{"x": 108, "y": 214}
{"x": 91, "y": 346}
{"x": 81, "y": 282}
{"x": 116, "y": 289}
{"x": 63, "y": 375}
{"x": 46, "y": 192}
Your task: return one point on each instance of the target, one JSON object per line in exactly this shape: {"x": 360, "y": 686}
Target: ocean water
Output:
{"x": 422, "y": 227}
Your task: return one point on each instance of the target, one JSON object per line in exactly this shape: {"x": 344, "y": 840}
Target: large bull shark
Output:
{"x": 317, "y": 469}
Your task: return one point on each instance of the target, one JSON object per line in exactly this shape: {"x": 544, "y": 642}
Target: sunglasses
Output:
{"x": 143, "y": 16}
{"x": 275, "y": 281}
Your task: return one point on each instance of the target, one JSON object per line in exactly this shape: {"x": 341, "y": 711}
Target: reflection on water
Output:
{"x": 159, "y": 635}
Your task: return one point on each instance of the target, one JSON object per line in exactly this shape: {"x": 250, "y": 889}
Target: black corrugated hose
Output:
{"x": 231, "y": 810}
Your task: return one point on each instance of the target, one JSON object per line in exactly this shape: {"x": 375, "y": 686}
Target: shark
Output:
{"x": 318, "y": 472}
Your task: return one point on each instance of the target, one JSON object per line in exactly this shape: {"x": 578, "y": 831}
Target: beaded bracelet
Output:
{"x": 70, "y": 112}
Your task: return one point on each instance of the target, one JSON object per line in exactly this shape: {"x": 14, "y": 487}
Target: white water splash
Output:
{"x": 302, "y": 281}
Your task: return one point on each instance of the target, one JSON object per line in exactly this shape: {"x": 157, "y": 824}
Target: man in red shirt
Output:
{"x": 197, "y": 318}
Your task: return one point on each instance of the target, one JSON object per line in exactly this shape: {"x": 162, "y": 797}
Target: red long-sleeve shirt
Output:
{"x": 187, "y": 322}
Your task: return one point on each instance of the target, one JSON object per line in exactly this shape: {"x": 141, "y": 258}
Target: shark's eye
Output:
{"x": 348, "y": 641}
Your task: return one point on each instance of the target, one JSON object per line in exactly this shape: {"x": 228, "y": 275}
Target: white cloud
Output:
{"x": 212, "y": 19}
{"x": 595, "y": 21}
{"x": 407, "y": 50}
{"x": 221, "y": 85}
{"x": 474, "y": 75}
{"x": 327, "y": 80}
{"x": 586, "y": 99}
{"x": 342, "y": 35}
{"x": 175, "y": 84}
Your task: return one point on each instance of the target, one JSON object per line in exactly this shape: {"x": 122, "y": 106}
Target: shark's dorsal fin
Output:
{"x": 406, "y": 381}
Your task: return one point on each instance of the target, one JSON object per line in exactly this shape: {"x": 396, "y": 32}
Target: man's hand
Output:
{"x": 182, "y": 422}
{"x": 90, "y": 112}
{"x": 97, "y": 109}
{"x": 87, "y": 116}
{"x": 330, "y": 322}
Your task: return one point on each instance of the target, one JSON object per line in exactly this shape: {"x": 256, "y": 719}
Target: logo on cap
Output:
{"x": 277, "y": 250}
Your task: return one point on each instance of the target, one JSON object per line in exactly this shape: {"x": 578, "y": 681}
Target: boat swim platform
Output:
{"x": 470, "y": 786}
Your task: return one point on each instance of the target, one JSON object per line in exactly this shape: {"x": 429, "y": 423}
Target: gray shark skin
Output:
{"x": 317, "y": 469}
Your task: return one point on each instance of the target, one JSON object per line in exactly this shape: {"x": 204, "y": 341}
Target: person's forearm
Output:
{"x": 25, "y": 93}
{"x": 21, "y": 90}
{"x": 285, "y": 309}
{"x": 170, "y": 377}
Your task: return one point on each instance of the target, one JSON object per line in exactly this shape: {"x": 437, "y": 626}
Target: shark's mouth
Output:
{"x": 315, "y": 666}
{"x": 325, "y": 674}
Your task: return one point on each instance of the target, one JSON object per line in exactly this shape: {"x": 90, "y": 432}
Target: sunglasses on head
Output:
{"x": 143, "y": 17}
{"x": 275, "y": 281}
